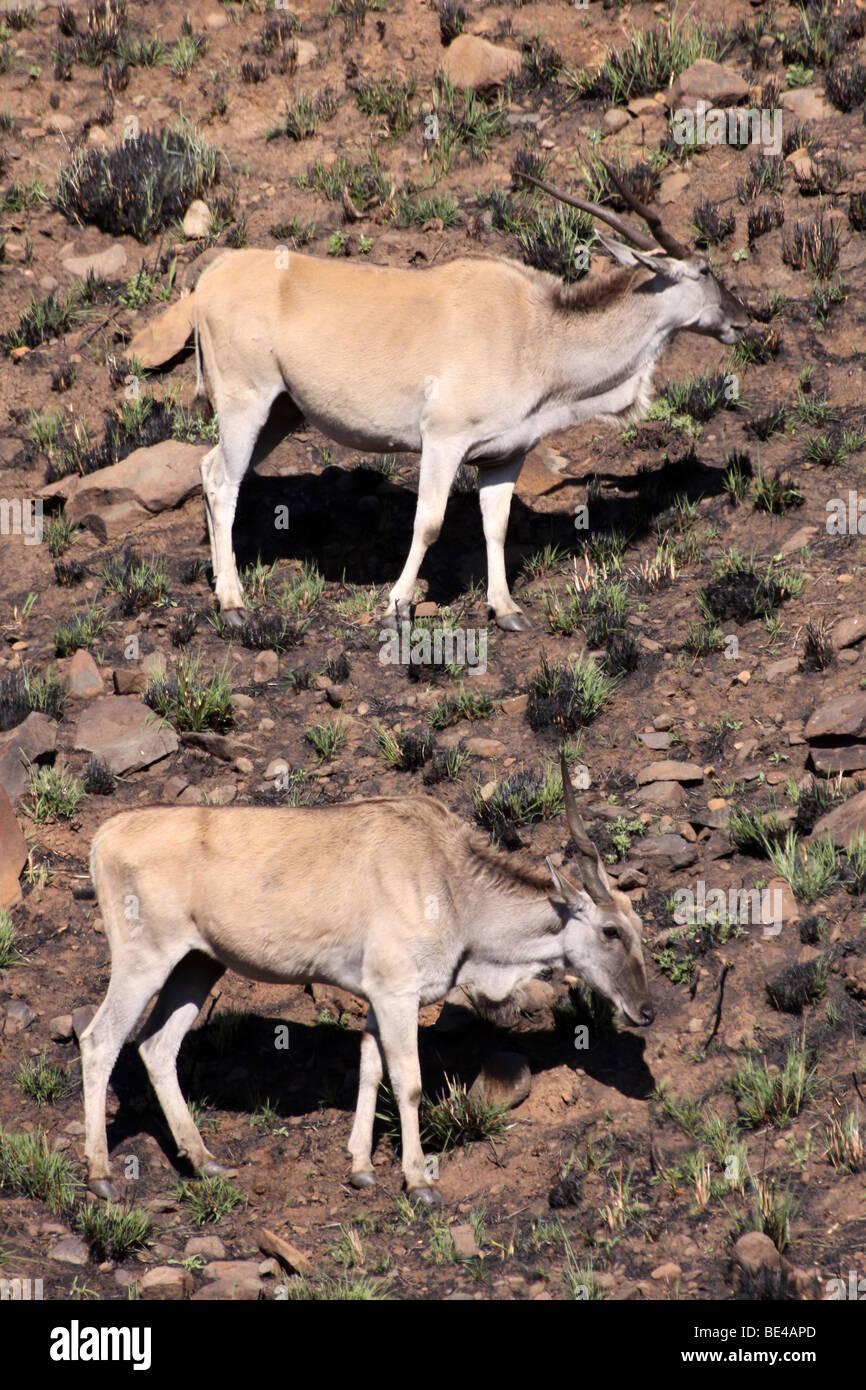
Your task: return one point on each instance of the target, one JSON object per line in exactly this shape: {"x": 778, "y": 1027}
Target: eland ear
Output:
{"x": 657, "y": 262}
{"x": 618, "y": 249}
{"x": 572, "y": 894}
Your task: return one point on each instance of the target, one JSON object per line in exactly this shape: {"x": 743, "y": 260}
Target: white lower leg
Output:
{"x": 438, "y": 467}
{"x": 361, "y": 1138}
{"x": 496, "y": 488}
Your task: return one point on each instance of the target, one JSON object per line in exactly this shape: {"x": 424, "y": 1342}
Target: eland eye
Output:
{"x": 612, "y": 933}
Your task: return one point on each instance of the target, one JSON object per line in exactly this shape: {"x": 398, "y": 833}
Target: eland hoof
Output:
{"x": 425, "y": 1196}
{"x": 514, "y": 622}
{"x": 233, "y": 617}
{"x": 363, "y": 1180}
{"x": 213, "y": 1169}
{"x": 104, "y": 1188}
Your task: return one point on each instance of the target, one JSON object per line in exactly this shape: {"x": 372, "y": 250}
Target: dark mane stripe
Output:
{"x": 596, "y": 293}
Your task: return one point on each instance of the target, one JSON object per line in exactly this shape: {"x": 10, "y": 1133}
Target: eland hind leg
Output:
{"x": 439, "y": 464}
{"x": 495, "y": 490}
{"x": 172, "y": 1016}
{"x": 397, "y": 1017}
{"x": 361, "y": 1138}
{"x": 129, "y": 993}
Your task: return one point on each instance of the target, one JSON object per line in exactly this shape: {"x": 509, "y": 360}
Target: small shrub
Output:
{"x": 846, "y": 87}
{"x": 390, "y": 98}
{"x": 327, "y": 739}
{"x": 405, "y": 752}
{"x": 765, "y": 175}
{"x": 558, "y": 242}
{"x": 303, "y": 117}
{"x": 113, "y": 1232}
{"x": 208, "y": 1199}
{"x": 711, "y": 226}
{"x": 798, "y": 985}
{"x": 42, "y": 1082}
{"x": 568, "y": 696}
{"x": 141, "y": 185}
{"x": 844, "y": 1144}
{"x": 452, "y": 18}
{"x": 776, "y": 493}
{"x": 455, "y": 1118}
{"x": 8, "y": 937}
{"x": 81, "y": 630}
{"x": 55, "y": 794}
{"x": 99, "y": 780}
{"x": 21, "y": 693}
{"x": 30, "y": 1168}
{"x": 813, "y": 244}
{"x": 521, "y": 799}
{"x": 766, "y": 1097}
{"x": 466, "y": 704}
{"x": 138, "y": 583}
{"x": 188, "y": 701}
{"x": 764, "y": 218}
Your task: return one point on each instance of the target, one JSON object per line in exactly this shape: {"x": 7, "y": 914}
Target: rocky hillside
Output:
{"x": 698, "y": 602}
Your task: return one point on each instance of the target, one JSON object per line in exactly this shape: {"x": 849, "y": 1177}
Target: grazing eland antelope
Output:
{"x": 395, "y": 899}
{"x": 471, "y": 362}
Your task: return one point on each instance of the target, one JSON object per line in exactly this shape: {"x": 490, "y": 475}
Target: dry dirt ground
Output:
{"x": 664, "y": 1166}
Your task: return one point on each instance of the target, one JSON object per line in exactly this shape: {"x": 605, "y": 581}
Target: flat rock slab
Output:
{"x": 107, "y": 262}
{"x": 71, "y": 1250}
{"x": 19, "y": 1016}
{"x": 13, "y": 853}
{"x": 786, "y": 666}
{"x": 667, "y": 795}
{"x": 806, "y": 103}
{"x": 829, "y": 762}
{"x": 712, "y": 82}
{"x": 288, "y": 1255}
{"x": 231, "y": 1291}
{"x": 842, "y": 718}
{"x": 166, "y": 1282}
{"x": 664, "y": 850}
{"x": 849, "y": 632}
{"x": 231, "y": 1270}
{"x": 657, "y": 741}
{"x": 26, "y": 743}
{"x": 470, "y": 61}
{"x": 124, "y": 733}
{"x": 226, "y": 747}
{"x": 669, "y": 770}
{"x": 843, "y": 821}
{"x": 464, "y": 1242}
{"x": 116, "y": 499}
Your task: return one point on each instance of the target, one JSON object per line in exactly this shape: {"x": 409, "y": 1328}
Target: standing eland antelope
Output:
{"x": 472, "y": 362}
{"x": 276, "y": 894}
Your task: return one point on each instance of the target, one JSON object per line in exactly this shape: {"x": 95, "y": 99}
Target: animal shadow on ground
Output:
{"x": 355, "y": 523}
{"x": 232, "y": 1064}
